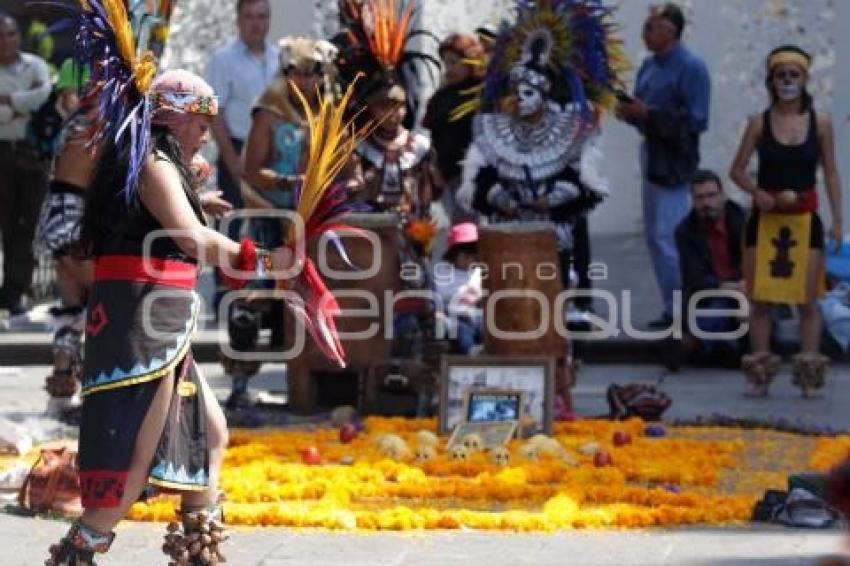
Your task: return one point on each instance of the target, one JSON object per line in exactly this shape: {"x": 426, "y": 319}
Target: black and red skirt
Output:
{"x": 142, "y": 314}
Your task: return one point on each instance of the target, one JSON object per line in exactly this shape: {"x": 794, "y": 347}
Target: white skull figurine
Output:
{"x": 425, "y": 453}
{"x": 500, "y": 456}
{"x": 393, "y": 446}
{"x": 460, "y": 452}
{"x": 426, "y": 438}
{"x": 473, "y": 442}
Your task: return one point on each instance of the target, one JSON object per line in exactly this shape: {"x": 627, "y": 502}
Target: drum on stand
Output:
{"x": 523, "y": 283}
{"x": 375, "y": 272}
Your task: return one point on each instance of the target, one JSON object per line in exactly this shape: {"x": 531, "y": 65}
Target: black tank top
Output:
{"x": 792, "y": 167}
{"x": 131, "y": 224}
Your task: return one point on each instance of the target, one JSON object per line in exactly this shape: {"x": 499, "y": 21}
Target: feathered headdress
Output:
{"x": 322, "y": 201}
{"x": 376, "y": 42}
{"x": 555, "y": 43}
{"x": 120, "y": 40}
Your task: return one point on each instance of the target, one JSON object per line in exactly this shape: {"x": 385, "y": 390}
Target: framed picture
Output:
{"x": 492, "y": 434}
{"x": 533, "y": 376}
{"x": 493, "y": 405}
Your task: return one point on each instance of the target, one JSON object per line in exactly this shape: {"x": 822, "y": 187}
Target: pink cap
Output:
{"x": 463, "y": 233}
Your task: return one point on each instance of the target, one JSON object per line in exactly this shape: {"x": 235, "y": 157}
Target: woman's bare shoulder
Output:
{"x": 824, "y": 122}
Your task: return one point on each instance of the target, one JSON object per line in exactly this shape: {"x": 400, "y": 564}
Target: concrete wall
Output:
{"x": 292, "y": 17}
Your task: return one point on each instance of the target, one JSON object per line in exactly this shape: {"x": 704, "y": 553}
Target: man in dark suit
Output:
{"x": 709, "y": 245}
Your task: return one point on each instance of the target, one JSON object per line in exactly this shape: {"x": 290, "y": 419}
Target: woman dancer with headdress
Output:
{"x": 394, "y": 167}
{"x": 74, "y": 164}
{"x": 148, "y": 416}
{"x": 395, "y": 163}
{"x": 784, "y": 257}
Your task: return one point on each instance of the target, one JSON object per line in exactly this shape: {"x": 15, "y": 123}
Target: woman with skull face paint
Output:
{"x": 784, "y": 255}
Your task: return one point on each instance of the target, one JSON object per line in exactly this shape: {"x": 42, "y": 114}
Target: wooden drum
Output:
{"x": 521, "y": 256}
{"x": 377, "y": 260}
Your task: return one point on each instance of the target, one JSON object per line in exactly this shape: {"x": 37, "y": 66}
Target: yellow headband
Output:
{"x": 788, "y": 57}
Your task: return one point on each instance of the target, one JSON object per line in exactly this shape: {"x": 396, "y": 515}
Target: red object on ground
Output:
{"x": 347, "y": 433}
{"x": 621, "y": 438}
{"x": 602, "y": 459}
{"x": 310, "y": 456}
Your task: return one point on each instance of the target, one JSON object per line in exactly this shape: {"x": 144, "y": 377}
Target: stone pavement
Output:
{"x": 695, "y": 392}
{"x": 24, "y": 542}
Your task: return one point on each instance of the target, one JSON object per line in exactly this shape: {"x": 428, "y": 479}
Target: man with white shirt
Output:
{"x": 239, "y": 71}
{"x": 24, "y": 87}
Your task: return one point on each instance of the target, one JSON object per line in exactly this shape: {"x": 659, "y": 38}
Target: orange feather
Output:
{"x": 403, "y": 26}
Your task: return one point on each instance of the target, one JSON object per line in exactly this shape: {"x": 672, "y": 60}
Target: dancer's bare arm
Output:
{"x": 161, "y": 192}
{"x": 258, "y": 152}
{"x": 738, "y": 171}
{"x": 831, "y": 176}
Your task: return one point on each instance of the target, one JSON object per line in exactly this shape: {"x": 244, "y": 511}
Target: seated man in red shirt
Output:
{"x": 709, "y": 243}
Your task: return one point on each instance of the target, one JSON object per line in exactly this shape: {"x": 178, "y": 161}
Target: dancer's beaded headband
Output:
{"x": 184, "y": 102}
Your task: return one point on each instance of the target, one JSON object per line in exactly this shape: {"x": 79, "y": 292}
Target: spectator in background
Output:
{"x": 239, "y": 72}
{"x": 24, "y": 86}
{"x": 275, "y": 150}
{"x": 451, "y": 110}
{"x": 670, "y": 108}
{"x": 709, "y": 245}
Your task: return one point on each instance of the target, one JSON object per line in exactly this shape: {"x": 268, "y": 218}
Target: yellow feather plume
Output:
{"x": 144, "y": 67}
{"x": 116, "y": 13}
{"x": 144, "y": 70}
{"x": 332, "y": 141}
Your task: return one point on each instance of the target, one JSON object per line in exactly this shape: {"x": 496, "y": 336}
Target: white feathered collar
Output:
{"x": 543, "y": 149}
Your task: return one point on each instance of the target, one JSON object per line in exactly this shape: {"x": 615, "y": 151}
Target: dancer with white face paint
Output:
{"x": 783, "y": 262}
{"x": 529, "y": 100}
{"x": 535, "y": 159}
{"x": 534, "y": 156}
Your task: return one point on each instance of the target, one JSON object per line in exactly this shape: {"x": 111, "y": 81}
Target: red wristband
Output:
{"x": 246, "y": 261}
